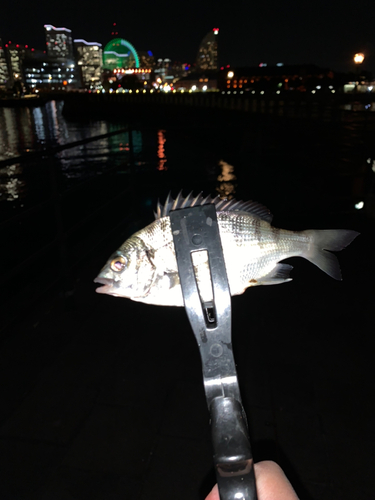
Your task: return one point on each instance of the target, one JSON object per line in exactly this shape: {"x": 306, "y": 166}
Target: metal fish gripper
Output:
{"x": 194, "y": 230}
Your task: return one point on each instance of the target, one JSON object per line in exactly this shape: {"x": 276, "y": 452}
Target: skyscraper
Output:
{"x": 89, "y": 61}
{"x": 58, "y": 70}
{"x": 207, "y": 53}
{"x": 59, "y": 42}
{"x": 4, "y": 72}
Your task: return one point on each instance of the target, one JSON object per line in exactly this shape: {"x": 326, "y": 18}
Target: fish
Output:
{"x": 144, "y": 268}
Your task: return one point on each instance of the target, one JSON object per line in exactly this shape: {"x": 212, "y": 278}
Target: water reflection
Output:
{"x": 8, "y": 133}
{"x": 23, "y": 130}
{"x": 358, "y": 106}
{"x": 227, "y": 184}
{"x": 39, "y": 125}
{"x": 161, "y": 151}
{"x": 12, "y": 186}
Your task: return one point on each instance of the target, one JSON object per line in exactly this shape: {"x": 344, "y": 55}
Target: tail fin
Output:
{"x": 329, "y": 239}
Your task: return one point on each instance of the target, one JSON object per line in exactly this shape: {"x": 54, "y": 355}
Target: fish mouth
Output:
{"x": 107, "y": 285}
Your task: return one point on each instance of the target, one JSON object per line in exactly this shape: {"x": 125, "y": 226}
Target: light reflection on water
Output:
{"x": 24, "y": 130}
{"x": 358, "y": 106}
{"x": 12, "y": 186}
{"x": 227, "y": 181}
{"x": 161, "y": 150}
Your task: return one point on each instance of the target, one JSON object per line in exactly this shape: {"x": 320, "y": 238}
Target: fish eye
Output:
{"x": 118, "y": 263}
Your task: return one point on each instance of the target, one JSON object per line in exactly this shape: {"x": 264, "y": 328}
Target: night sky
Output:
{"x": 320, "y": 32}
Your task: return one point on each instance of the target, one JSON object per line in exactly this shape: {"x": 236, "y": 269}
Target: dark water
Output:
{"x": 271, "y": 159}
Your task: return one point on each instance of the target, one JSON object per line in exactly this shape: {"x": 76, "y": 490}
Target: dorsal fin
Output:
{"x": 255, "y": 209}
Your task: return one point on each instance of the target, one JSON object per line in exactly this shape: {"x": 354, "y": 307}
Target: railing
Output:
{"x": 43, "y": 244}
{"x": 287, "y": 105}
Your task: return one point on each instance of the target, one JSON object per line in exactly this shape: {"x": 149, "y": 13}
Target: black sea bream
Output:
{"x": 144, "y": 268}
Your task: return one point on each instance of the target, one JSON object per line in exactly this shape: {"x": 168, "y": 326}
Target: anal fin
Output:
{"x": 279, "y": 274}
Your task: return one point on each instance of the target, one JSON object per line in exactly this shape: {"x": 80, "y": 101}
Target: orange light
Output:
{"x": 65, "y": 82}
{"x": 359, "y": 58}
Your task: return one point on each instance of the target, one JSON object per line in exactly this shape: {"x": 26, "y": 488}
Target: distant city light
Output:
{"x": 359, "y": 205}
{"x": 216, "y": 31}
{"x": 230, "y": 74}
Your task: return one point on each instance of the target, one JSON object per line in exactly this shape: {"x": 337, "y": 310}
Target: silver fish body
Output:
{"x": 144, "y": 268}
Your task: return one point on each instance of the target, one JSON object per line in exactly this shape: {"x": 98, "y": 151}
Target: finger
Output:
{"x": 214, "y": 494}
{"x": 272, "y": 483}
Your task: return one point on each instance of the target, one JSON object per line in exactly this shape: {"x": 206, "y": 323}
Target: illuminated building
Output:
{"x": 120, "y": 54}
{"x": 126, "y": 68}
{"x": 167, "y": 72}
{"x": 277, "y": 78}
{"x": 4, "y": 72}
{"x": 11, "y": 60}
{"x": 55, "y": 70}
{"x": 146, "y": 59}
{"x": 89, "y": 61}
{"x": 59, "y": 42}
{"x": 49, "y": 74}
{"x": 162, "y": 70}
{"x": 207, "y": 52}
{"x": 16, "y": 55}
{"x": 197, "y": 82}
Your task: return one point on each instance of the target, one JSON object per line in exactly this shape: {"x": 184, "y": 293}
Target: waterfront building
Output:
{"x": 89, "y": 62}
{"x": 207, "y": 57}
{"x": 168, "y": 72}
{"x": 56, "y": 69}
{"x": 146, "y": 59}
{"x": 163, "y": 71}
{"x": 59, "y": 42}
{"x": 44, "y": 73}
{"x": 198, "y": 82}
{"x": 120, "y": 54}
{"x": 264, "y": 78}
{"x": 4, "y": 71}
{"x": 16, "y": 56}
{"x": 11, "y": 69}
{"x": 126, "y": 68}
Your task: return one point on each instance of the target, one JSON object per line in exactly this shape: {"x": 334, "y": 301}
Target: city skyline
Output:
{"x": 326, "y": 35}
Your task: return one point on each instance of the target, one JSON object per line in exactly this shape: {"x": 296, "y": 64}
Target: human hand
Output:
{"x": 271, "y": 482}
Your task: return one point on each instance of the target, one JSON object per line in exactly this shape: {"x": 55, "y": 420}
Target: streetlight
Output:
{"x": 358, "y": 60}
